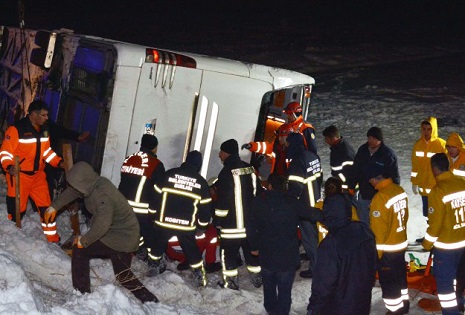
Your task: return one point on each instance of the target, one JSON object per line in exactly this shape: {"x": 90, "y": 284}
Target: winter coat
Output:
{"x": 185, "y": 200}
{"x": 344, "y": 273}
{"x": 389, "y": 216}
{"x": 113, "y": 221}
{"x": 272, "y": 229}
{"x": 423, "y": 150}
{"x": 446, "y": 223}
{"x": 363, "y": 161}
{"x": 236, "y": 187}
{"x": 457, "y": 165}
{"x": 341, "y": 159}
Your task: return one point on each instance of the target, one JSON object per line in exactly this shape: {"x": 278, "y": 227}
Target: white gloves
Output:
{"x": 415, "y": 189}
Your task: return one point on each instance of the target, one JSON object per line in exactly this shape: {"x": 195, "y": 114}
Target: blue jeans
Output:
{"x": 277, "y": 289}
{"x": 445, "y": 264}
{"x": 424, "y": 201}
{"x": 309, "y": 233}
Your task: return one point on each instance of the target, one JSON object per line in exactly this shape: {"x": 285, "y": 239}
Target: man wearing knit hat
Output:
{"x": 236, "y": 187}
{"x": 422, "y": 176}
{"x": 456, "y": 154}
{"x": 139, "y": 173}
{"x": 184, "y": 210}
{"x": 374, "y": 151}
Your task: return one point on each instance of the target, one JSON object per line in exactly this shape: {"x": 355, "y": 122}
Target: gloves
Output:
{"x": 50, "y": 215}
{"x": 246, "y": 146}
{"x": 351, "y": 192}
{"x": 415, "y": 189}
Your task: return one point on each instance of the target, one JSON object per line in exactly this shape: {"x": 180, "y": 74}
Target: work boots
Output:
{"x": 256, "y": 279}
{"x": 200, "y": 278}
{"x": 156, "y": 267}
{"x": 229, "y": 282}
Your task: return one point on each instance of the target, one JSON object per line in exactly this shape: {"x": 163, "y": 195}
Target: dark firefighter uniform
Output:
{"x": 341, "y": 159}
{"x": 33, "y": 148}
{"x": 446, "y": 232}
{"x": 388, "y": 221}
{"x": 185, "y": 206}
{"x": 305, "y": 177}
{"x": 139, "y": 174}
{"x": 236, "y": 187}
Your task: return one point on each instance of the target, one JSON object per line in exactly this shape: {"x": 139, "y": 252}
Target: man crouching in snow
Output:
{"x": 113, "y": 232}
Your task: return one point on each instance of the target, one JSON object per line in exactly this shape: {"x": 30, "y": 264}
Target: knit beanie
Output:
{"x": 230, "y": 146}
{"x": 455, "y": 140}
{"x": 194, "y": 159}
{"x": 149, "y": 141}
{"x": 376, "y": 133}
{"x": 374, "y": 170}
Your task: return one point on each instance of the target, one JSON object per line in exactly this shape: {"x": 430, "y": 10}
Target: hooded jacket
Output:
{"x": 113, "y": 221}
{"x": 344, "y": 273}
{"x": 423, "y": 150}
{"x": 457, "y": 165}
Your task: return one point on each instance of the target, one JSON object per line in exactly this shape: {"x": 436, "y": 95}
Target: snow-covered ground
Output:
{"x": 35, "y": 276}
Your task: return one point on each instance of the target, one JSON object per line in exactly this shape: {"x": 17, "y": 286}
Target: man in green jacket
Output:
{"x": 113, "y": 231}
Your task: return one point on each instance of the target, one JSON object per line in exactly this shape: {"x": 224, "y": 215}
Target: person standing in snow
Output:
{"x": 272, "y": 235}
{"x": 304, "y": 181}
{"x": 139, "y": 173}
{"x": 388, "y": 221}
{"x": 236, "y": 187}
{"x": 344, "y": 274}
{"x": 446, "y": 231}
{"x": 184, "y": 212}
{"x": 113, "y": 230}
{"x": 422, "y": 177}
{"x": 374, "y": 151}
{"x": 341, "y": 157}
{"x": 456, "y": 154}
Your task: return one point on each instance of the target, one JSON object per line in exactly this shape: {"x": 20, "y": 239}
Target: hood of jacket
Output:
{"x": 454, "y": 140}
{"x": 434, "y": 126}
{"x": 337, "y": 211}
{"x": 82, "y": 177}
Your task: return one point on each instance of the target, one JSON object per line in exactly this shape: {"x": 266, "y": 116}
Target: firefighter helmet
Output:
{"x": 284, "y": 130}
{"x": 293, "y": 107}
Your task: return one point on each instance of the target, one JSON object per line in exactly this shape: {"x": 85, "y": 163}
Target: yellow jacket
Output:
{"x": 388, "y": 217}
{"x": 446, "y": 213}
{"x": 423, "y": 150}
{"x": 456, "y": 166}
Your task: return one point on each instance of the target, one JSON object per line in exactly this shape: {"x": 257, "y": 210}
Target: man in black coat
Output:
{"x": 272, "y": 236}
{"x": 344, "y": 273}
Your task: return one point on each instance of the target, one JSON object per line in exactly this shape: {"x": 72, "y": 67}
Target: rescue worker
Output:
{"x": 446, "y": 230}
{"x": 374, "y": 151}
{"x": 184, "y": 210}
{"x": 341, "y": 156}
{"x": 456, "y": 154}
{"x": 273, "y": 238}
{"x": 422, "y": 177}
{"x": 236, "y": 187}
{"x": 28, "y": 138}
{"x": 388, "y": 221}
{"x": 276, "y": 151}
{"x": 304, "y": 180}
{"x": 139, "y": 173}
{"x": 344, "y": 274}
{"x": 113, "y": 232}
{"x": 295, "y": 123}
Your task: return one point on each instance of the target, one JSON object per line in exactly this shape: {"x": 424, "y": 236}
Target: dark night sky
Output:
{"x": 230, "y": 28}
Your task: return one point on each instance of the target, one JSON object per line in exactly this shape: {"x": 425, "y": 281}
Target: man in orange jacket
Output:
{"x": 29, "y": 140}
{"x": 456, "y": 154}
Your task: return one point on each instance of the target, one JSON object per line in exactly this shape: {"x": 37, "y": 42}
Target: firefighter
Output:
{"x": 236, "y": 187}
{"x": 276, "y": 150}
{"x": 28, "y": 139}
{"x": 446, "y": 230}
{"x": 305, "y": 178}
{"x": 139, "y": 173}
{"x": 184, "y": 212}
{"x": 456, "y": 154}
{"x": 388, "y": 221}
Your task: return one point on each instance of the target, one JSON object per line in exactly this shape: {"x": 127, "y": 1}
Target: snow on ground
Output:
{"x": 35, "y": 276}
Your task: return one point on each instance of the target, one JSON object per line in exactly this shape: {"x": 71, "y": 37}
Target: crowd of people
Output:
{"x": 358, "y": 219}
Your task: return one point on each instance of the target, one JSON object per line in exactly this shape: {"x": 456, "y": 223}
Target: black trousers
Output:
{"x": 186, "y": 241}
{"x": 121, "y": 261}
{"x": 230, "y": 249}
